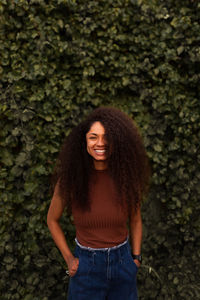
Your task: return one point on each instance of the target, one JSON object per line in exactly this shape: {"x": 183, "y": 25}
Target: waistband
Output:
{"x": 101, "y": 249}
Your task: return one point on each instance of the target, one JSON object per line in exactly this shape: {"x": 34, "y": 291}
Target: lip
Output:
{"x": 100, "y": 151}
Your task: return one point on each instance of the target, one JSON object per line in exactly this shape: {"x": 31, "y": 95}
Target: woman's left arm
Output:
{"x": 136, "y": 233}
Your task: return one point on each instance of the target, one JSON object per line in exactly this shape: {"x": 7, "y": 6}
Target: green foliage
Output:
{"x": 59, "y": 60}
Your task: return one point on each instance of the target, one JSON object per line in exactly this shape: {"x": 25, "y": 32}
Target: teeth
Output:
{"x": 100, "y": 151}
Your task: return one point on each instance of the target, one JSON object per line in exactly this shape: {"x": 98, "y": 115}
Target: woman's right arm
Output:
{"x": 54, "y": 214}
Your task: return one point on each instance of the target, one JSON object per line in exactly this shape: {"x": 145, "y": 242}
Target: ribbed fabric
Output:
{"x": 105, "y": 225}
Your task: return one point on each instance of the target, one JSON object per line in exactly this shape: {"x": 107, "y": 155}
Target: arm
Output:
{"x": 54, "y": 214}
{"x": 136, "y": 233}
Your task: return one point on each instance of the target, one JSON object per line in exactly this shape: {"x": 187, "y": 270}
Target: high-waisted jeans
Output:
{"x": 104, "y": 274}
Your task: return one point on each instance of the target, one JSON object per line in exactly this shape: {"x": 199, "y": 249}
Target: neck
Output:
{"x": 100, "y": 165}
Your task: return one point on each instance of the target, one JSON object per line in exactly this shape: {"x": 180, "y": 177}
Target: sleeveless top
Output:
{"x": 104, "y": 225}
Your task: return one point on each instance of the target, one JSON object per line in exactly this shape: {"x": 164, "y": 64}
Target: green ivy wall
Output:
{"x": 59, "y": 60}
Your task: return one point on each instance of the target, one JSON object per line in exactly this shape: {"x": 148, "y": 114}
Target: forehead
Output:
{"x": 97, "y": 128}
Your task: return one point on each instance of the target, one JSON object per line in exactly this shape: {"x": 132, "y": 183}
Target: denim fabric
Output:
{"x": 104, "y": 275}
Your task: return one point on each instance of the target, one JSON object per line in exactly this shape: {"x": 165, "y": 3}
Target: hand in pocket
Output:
{"x": 73, "y": 266}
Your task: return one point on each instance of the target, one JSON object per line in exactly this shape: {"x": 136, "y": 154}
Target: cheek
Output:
{"x": 89, "y": 146}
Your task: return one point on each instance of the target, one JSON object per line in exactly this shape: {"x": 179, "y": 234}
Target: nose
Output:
{"x": 101, "y": 141}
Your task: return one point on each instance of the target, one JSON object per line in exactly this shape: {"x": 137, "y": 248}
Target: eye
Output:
{"x": 92, "y": 138}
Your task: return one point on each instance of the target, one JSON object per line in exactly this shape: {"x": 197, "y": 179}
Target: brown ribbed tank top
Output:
{"x": 105, "y": 223}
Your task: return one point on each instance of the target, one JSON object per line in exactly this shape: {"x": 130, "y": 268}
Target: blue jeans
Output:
{"x": 106, "y": 274}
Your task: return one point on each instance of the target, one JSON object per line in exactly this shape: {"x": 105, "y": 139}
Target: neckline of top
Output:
{"x": 104, "y": 170}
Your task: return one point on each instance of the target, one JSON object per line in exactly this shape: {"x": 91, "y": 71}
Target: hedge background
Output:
{"x": 59, "y": 60}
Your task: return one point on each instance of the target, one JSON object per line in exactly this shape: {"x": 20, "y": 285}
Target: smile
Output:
{"x": 100, "y": 151}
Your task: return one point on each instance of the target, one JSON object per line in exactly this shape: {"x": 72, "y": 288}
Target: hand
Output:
{"x": 137, "y": 262}
{"x": 73, "y": 264}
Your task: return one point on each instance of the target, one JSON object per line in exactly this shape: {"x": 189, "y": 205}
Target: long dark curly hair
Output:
{"x": 127, "y": 162}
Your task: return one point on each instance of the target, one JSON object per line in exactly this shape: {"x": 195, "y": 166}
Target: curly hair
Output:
{"x": 127, "y": 162}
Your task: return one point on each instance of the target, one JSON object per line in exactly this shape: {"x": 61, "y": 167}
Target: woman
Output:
{"x": 101, "y": 176}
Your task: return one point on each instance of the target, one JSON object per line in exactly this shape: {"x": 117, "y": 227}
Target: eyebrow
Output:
{"x": 92, "y": 133}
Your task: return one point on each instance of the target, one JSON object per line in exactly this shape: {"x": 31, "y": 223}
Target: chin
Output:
{"x": 100, "y": 158}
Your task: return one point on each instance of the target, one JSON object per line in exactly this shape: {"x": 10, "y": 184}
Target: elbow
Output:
{"x": 49, "y": 220}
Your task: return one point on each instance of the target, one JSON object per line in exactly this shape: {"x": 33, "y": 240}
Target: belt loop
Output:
{"x": 93, "y": 257}
{"x": 78, "y": 250}
{"x": 120, "y": 256}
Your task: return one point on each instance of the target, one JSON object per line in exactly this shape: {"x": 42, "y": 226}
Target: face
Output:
{"x": 96, "y": 142}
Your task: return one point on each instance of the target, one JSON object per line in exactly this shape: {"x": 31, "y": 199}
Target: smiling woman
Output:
{"x": 96, "y": 145}
{"x": 101, "y": 176}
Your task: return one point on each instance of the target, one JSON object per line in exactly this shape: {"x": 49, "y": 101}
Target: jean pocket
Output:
{"x": 132, "y": 263}
{"x": 135, "y": 264}
{"x": 78, "y": 269}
